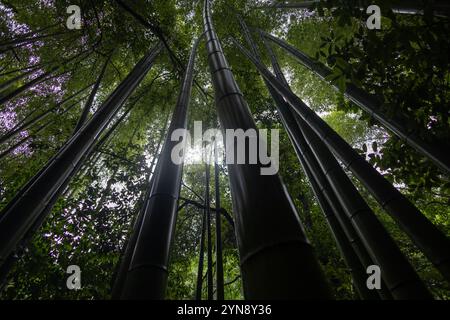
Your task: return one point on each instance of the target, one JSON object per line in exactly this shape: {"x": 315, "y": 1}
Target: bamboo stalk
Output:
{"x": 434, "y": 150}
{"x": 146, "y": 277}
{"x": 19, "y": 216}
{"x": 430, "y": 240}
{"x": 277, "y": 260}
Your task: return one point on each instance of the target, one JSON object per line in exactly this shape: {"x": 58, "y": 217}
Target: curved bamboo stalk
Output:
{"x": 436, "y": 152}
{"x": 430, "y": 240}
{"x": 350, "y": 245}
{"x": 400, "y": 277}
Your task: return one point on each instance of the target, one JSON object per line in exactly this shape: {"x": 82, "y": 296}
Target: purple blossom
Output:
{"x": 12, "y": 25}
{"x": 24, "y": 149}
{"x": 8, "y": 119}
{"x": 46, "y": 3}
{"x": 84, "y": 40}
{"x": 32, "y": 60}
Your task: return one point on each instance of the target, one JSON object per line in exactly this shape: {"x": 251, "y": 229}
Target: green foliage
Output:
{"x": 406, "y": 64}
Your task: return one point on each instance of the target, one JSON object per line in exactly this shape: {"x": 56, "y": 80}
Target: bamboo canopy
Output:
{"x": 100, "y": 128}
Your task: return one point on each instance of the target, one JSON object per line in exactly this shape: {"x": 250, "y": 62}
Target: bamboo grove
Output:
{"x": 87, "y": 178}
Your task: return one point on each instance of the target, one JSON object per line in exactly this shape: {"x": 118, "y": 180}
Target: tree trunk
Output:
{"x": 88, "y": 105}
{"x": 7, "y": 45}
{"x": 277, "y": 260}
{"x": 128, "y": 248}
{"x": 17, "y": 43}
{"x": 201, "y": 257}
{"x": 5, "y": 85}
{"x": 402, "y": 280}
{"x": 19, "y": 216}
{"x": 400, "y": 277}
{"x": 435, "y": 151}
{"x": 430, "y": 240}
{"x": 146, "y": 276}
{"x": 348, "y": 241}
{"x": 219, "y": 257}
{"x": 209, "y": 272}
{"x": 26, "y": 86}
{"x": 28, "y": 68}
